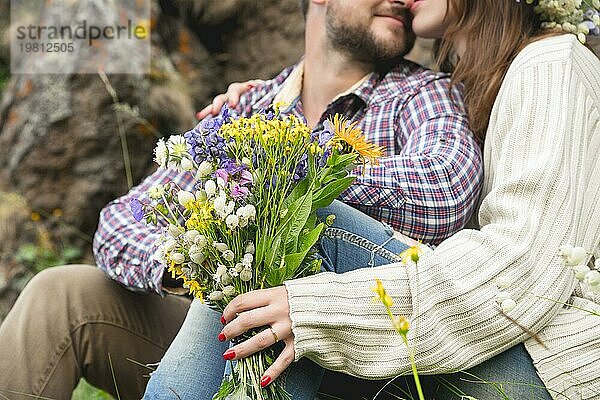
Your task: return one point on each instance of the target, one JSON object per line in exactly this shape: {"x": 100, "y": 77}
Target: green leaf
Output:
{"x": 331, "y": 191}
{"x": 293, "y": 261}
{"x": 271, "y": 255}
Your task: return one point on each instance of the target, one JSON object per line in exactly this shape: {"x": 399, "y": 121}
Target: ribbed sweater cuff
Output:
{"x": 326, "y": 303}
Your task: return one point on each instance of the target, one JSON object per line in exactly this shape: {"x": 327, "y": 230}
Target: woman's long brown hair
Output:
{"x": 494, "y": 32}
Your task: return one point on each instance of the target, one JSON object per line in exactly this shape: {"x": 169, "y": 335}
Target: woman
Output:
{"x": 537, "y": 98}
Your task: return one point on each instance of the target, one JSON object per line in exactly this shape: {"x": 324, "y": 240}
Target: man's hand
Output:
{"x": 232, "y": 98}
{"x": 266, "y": 307}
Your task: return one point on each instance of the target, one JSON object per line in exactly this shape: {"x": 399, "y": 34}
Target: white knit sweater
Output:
{"x": 541, "y": 191}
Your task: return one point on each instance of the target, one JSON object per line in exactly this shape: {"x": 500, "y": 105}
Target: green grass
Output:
{"x": 85, "y": 391}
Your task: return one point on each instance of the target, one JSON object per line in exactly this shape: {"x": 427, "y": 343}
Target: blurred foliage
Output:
{"x": 39, "y": 257}
{"x": 85, "y": 391}
{"x": 4, "y": 74}
{"x": 50, "y": 248}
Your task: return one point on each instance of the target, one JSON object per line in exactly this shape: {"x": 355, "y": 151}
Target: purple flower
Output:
{"x": 221, "y": 173}
{"x": 232, "y": 166}
{"x": 246, "y": 178}
{"x": 301, "y": 169}
{"x": 137, "y": 209}
{"x": 323, "y": 137}
{"x": 239, "y": 192}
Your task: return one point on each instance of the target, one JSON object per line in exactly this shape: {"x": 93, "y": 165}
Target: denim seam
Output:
{"x": 357, "y": 240}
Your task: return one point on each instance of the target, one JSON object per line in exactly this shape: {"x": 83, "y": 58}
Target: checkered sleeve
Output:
{"x": 428, "y": 190}
{"x": 123, "y": 247}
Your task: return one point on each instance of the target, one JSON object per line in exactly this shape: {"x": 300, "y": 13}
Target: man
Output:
{"x": 69, "y": 319}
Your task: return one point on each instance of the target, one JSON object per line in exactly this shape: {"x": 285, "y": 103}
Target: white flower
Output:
{"x": 573, "y": 255}
{"x": 250, "y": 248}
{"x": 508, "y": 305}
{"x": 161, "y": 153}
{"x": 592, "y": 278}
{"x": 239, "y": 267}
{"x": 175, "y": 230}
{"x": 169, "y": 245}
{"x": 204, "y": 169}
{"x": 220, "y": 246}
{"x": 246, "y": 274}
{"x": 184, "y": 197}
{"x": 503, "y": 282}
{"x": 177, "y": 146}
{"x": 177, "y": 258}
{"x": 220, "y": 273}
{"x": 248, "y": 258}
{"x": 243, "y": 222}
{"x": 156, "y": 192}
{"x": 228, "y": 255}
{"x": 159, "y": 255}
{"x": 233, "y": 272}
{"x": 500, "y": 297}
{"x": 196, "y": 254}
{"x": 232, "y": 221}
{"x": 216, "y": 295}
{"x": 201, "y": 241}
{"x": 210, "y": 187}
{"x": 221, "y": 182}
{"x": 190, "y": 236}
{"x": 580, "y": 271}
{"x": 229, "y": 291}
{"x": 186, "y": 164}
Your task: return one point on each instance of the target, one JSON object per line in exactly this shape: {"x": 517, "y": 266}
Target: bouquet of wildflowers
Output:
{"x": 251, "y": 222}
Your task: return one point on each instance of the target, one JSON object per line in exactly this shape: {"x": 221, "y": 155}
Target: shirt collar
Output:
{"x": 291, "y": 89}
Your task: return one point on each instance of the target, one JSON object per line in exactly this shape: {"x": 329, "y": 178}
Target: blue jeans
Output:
{"x": 193, "y": 366}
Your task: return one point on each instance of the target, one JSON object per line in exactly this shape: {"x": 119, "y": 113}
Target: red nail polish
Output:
{"x": 230, "y": 355}
{"x": 222, "y": 337}
{"x": 223, "y": 320}
{"x": 265, "y": 380}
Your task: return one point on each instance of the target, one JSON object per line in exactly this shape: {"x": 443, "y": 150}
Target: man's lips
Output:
{"x": 396, "y": 17}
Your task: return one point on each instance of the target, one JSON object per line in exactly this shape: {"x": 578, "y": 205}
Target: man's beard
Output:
{"x": 360, "y": 43}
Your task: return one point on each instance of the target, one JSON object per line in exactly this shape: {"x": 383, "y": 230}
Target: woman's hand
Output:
{"x": 232, "y": 98}
{"x": 266, "y": 307}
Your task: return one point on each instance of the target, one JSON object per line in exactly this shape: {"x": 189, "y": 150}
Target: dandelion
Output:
{"x": 35, "y": 217}
{"x": 57, "y": 213}
{"x": 346, "y": 132}
{"x": 228, "y": 255}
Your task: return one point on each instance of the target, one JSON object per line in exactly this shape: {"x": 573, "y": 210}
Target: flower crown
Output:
{"x": 580, "y": 17}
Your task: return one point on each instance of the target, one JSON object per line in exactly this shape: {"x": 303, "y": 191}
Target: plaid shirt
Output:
{"x": 426, "y": 186}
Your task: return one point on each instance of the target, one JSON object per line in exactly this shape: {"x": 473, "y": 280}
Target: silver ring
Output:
{"x": 274, "y": 334}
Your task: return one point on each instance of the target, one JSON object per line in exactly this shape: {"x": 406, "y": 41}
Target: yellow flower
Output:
{"x": 381, "y": 295}
{"x": 57, "y": 212}
{"x": 401, "y": 324}
{"x": 412, "y": 254}
{"x": 35, "y": 217}
{"x": 353, "y": 136}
